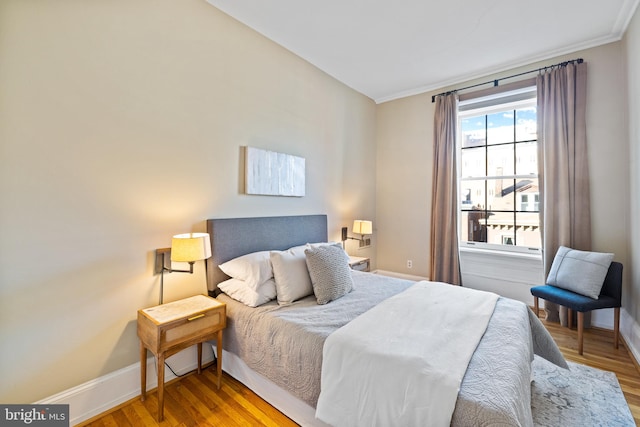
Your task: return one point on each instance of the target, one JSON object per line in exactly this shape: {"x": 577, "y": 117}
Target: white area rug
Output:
{"x": 582, "y": 396}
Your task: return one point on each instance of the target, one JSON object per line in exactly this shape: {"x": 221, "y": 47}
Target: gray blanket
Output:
{"x": 284, "y": 344}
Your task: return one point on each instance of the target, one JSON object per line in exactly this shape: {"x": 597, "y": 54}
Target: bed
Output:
{"x": 277, "y": 350}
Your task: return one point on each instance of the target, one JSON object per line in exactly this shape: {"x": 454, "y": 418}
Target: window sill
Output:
{"x": 533, "y": 255}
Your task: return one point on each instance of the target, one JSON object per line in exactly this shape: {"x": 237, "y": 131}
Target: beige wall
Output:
{"x": 404, "y": 147}
{"x": 632, "y": 51}
{"x": 404, "y": 131}
{"x": 120, "y": 125}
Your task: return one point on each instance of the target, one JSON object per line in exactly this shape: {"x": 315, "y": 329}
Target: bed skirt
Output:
{"x": 294, "y": 408}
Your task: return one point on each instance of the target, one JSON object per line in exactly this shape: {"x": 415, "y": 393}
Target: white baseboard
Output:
{"x": 399, "y": 275}
{"x": 630, "y": 331}
{"x": 101, "y": 394}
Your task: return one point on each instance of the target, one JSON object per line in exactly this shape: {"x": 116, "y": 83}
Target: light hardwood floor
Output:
{"x": 193, "y": 400}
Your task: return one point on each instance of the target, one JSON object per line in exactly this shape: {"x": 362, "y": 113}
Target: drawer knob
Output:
{"x": 195, "y": 317}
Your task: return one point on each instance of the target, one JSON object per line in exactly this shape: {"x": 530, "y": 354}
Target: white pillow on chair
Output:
{"x": 581, "y": 272}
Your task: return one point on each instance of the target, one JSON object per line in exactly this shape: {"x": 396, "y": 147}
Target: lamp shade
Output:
{"x": 190, "y": 247}
{"x": 362, "y": 227}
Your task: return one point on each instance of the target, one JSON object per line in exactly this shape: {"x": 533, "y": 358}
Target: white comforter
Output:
{"x": 409, "y": 371}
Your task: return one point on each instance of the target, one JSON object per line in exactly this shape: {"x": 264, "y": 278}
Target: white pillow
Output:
{"x": 579, "y": 271}
{"x": 296, "y": 250}
{"x": 254, "y": 268}
{"x": 239, "y": 291}
{"x": 291, "y": 275}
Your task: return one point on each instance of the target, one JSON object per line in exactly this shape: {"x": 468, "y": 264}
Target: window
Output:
{"x": 499, "y": 195}
{"x": 530, "y": 202}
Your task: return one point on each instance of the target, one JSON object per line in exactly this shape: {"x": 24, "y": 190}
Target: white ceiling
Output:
{"x": 390, "y": 49}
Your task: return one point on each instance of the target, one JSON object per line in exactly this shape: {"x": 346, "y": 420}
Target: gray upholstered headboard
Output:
{"x": 233, "y": 237}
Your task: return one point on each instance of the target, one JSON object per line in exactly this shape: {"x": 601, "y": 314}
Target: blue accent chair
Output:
{"x": 610, "y": 297}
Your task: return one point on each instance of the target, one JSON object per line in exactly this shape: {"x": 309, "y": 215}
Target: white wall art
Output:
{"x": 275, "y": 174}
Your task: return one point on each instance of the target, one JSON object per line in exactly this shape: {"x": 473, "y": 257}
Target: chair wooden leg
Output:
{"x": 616, "y": 325}
{"x": 569, "y": 318}
{"x": 536, "y": 306}
{"x": 580, "y": 331}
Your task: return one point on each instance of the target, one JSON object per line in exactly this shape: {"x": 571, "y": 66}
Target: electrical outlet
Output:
{"x": 409, "y": 263}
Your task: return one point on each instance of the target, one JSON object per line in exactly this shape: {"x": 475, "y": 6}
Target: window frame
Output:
{"x": 473, "y": 107}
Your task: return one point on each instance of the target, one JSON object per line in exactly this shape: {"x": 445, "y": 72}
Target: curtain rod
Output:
{"x": 495, "y": 82}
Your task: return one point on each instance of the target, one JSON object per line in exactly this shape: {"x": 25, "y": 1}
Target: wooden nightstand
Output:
{"x": 359, "y": 263}
{"x": 169, "y": 328}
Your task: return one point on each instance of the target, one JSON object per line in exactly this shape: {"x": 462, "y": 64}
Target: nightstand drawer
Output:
{"x": 194, "y": 325}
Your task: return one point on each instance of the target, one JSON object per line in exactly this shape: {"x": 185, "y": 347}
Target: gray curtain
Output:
{"x": 563, "y": 166}
{"x": 445, "y": 261}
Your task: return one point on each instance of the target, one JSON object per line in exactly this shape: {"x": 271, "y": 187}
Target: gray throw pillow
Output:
{"x": 330, "y": 273}
{"x": 579, "y": 271}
